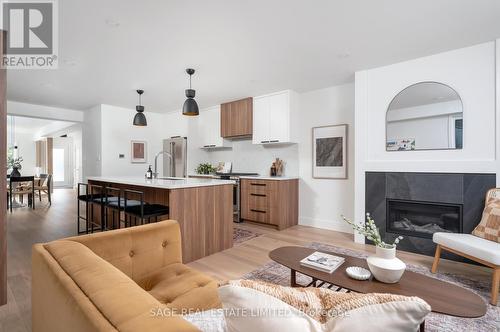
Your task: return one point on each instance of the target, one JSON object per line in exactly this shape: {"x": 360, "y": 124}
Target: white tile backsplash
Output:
{"x": 248, "y": 157}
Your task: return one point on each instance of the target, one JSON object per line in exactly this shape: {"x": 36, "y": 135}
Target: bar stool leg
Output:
{"x": 86, "y": 217}
{"x": 77, "y": 215}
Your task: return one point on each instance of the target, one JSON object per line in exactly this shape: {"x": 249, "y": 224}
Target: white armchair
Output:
{"x": 475, "y": 248}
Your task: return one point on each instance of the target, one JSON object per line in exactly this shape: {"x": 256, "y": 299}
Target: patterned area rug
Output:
{"x": 278, "y": 274}
{"x": 241, "y": 235}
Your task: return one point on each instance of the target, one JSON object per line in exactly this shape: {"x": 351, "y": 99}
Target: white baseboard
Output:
{"x": 333, "y": 225}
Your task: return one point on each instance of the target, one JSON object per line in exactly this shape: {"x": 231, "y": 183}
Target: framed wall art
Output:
{"x": 138, "y": 152}
{"x": 330, "y": 152}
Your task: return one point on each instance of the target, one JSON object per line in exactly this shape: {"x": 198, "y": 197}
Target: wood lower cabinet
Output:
{"x": 272, "y": 202}
{"x": 237, "y": 118}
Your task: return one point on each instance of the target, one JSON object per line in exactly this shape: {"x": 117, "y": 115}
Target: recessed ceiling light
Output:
{"x": 112, "y": 23}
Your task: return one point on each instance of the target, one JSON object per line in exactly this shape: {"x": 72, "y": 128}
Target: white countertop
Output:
{"x": 170, "y": 183}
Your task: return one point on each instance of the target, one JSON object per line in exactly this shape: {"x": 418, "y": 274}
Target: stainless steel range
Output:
{"x": 236, "y": 192}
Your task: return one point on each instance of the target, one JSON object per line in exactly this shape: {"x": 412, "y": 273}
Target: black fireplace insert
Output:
{"x": 422, "y": 219}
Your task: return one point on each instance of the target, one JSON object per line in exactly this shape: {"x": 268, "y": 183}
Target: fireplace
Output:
{"x": 416, "y": 205}
{"x": 422, "y": 219}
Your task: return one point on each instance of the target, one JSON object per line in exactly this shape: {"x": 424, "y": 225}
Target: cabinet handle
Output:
{"x": 258, "y": 184}
{"x": 274, "y": 141}
{"x": 259, "y": 195}
{"x": 258, "y": 211}
{"x": 264, "y": 142}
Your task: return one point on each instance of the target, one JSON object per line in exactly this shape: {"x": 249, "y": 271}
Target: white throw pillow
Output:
{"x": 208, "y": 321}
{"x": 246, "y": 310}
{"x": 251, "y": 306}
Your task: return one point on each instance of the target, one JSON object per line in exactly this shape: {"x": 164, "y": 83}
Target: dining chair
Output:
{"x": 45, "y": 186}
{"x": 18, "y": 186}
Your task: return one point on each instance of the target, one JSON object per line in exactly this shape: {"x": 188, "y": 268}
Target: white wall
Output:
{"x": 26, "y": 149}
{"x": 91, "y": 142}
{"x": 471, "y": 72}
{"x": 44, "y": 112}
{"x": 323, "y": 201}
{"x": 117, "y": 131}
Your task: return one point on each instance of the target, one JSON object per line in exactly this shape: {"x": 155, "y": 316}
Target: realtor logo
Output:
{"x": 31, "y": 34}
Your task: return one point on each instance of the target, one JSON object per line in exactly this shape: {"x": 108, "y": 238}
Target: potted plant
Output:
{"x": 385, "y": 266}
{"x": 14, "y": 164}
{"x": 205, "y": 169}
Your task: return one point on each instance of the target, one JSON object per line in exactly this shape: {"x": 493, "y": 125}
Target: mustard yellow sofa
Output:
{"x": 130, "y": 279}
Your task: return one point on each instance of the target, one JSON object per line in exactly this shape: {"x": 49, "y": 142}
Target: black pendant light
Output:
{"x": 140, "y": 118}
{"x": 190, "y": 107}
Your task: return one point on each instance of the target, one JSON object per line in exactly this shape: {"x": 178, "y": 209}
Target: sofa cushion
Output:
{"x": 489, "y": 226}
{"x": 260, "y": 306}
{"x": 182, "y": 288}
{"x": 126, "y": 305}
{"x": 137, "y": 251}
{"x": 471, "y": 245}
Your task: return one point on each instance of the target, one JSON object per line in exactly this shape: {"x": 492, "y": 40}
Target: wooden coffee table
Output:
{"x": 443, "y": 297}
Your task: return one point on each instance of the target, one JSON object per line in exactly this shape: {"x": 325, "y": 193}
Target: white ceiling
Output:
{"x": 239, "y": 48}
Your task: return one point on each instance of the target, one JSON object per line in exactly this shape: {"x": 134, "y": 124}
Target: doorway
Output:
{"x": 62, "y": 159}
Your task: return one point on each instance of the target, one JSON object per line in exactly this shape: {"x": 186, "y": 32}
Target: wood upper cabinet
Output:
{"x": 272, "y": 202}
{"x": 275, "y": 118}
{"x": 237, "y": 118}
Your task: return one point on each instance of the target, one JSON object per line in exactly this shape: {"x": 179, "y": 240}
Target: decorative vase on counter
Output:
{"x": 385, "y": 266}
{"x": 15, "y": 172}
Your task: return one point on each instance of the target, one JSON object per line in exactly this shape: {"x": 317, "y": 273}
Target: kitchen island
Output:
{"x": 203, "y": 208}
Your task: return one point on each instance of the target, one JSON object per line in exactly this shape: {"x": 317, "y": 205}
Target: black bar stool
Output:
{"x": 85, "y": 198}
{"x": 116, "y": 203}
{"x": 97, "y": 196}
{"x": 142, "y": 210}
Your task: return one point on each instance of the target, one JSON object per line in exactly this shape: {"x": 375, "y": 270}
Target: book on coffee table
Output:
{"x": 323, "y": 262}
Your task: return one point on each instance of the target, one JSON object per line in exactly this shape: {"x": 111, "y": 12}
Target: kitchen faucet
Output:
{"x": 169, "y": 155}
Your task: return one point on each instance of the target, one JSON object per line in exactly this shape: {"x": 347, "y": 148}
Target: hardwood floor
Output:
{"x": 26, "y": 227}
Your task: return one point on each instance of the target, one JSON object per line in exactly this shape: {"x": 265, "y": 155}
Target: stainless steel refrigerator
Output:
{"x": 175, "y": 166}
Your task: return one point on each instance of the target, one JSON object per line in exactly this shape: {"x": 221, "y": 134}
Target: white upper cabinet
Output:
{"x": 209, "y": 129}
{"x": 260, "y": 120}
{"x": 275, "y": 118}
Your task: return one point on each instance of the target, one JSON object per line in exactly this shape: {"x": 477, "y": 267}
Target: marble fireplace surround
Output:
{"x": 465, "y": 189}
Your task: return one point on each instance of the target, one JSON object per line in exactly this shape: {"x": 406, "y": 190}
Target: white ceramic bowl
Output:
{"x": 358, "y": 273}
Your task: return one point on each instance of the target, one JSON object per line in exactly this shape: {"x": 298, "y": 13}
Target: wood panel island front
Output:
{"x": 203, "y": 208}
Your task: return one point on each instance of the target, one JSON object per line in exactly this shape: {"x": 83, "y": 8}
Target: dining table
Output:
{"x": 15, "y": 202}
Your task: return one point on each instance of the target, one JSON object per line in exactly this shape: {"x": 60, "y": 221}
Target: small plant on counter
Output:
{"x": 370, "y": 230}
{"x": 205, "y": 169}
